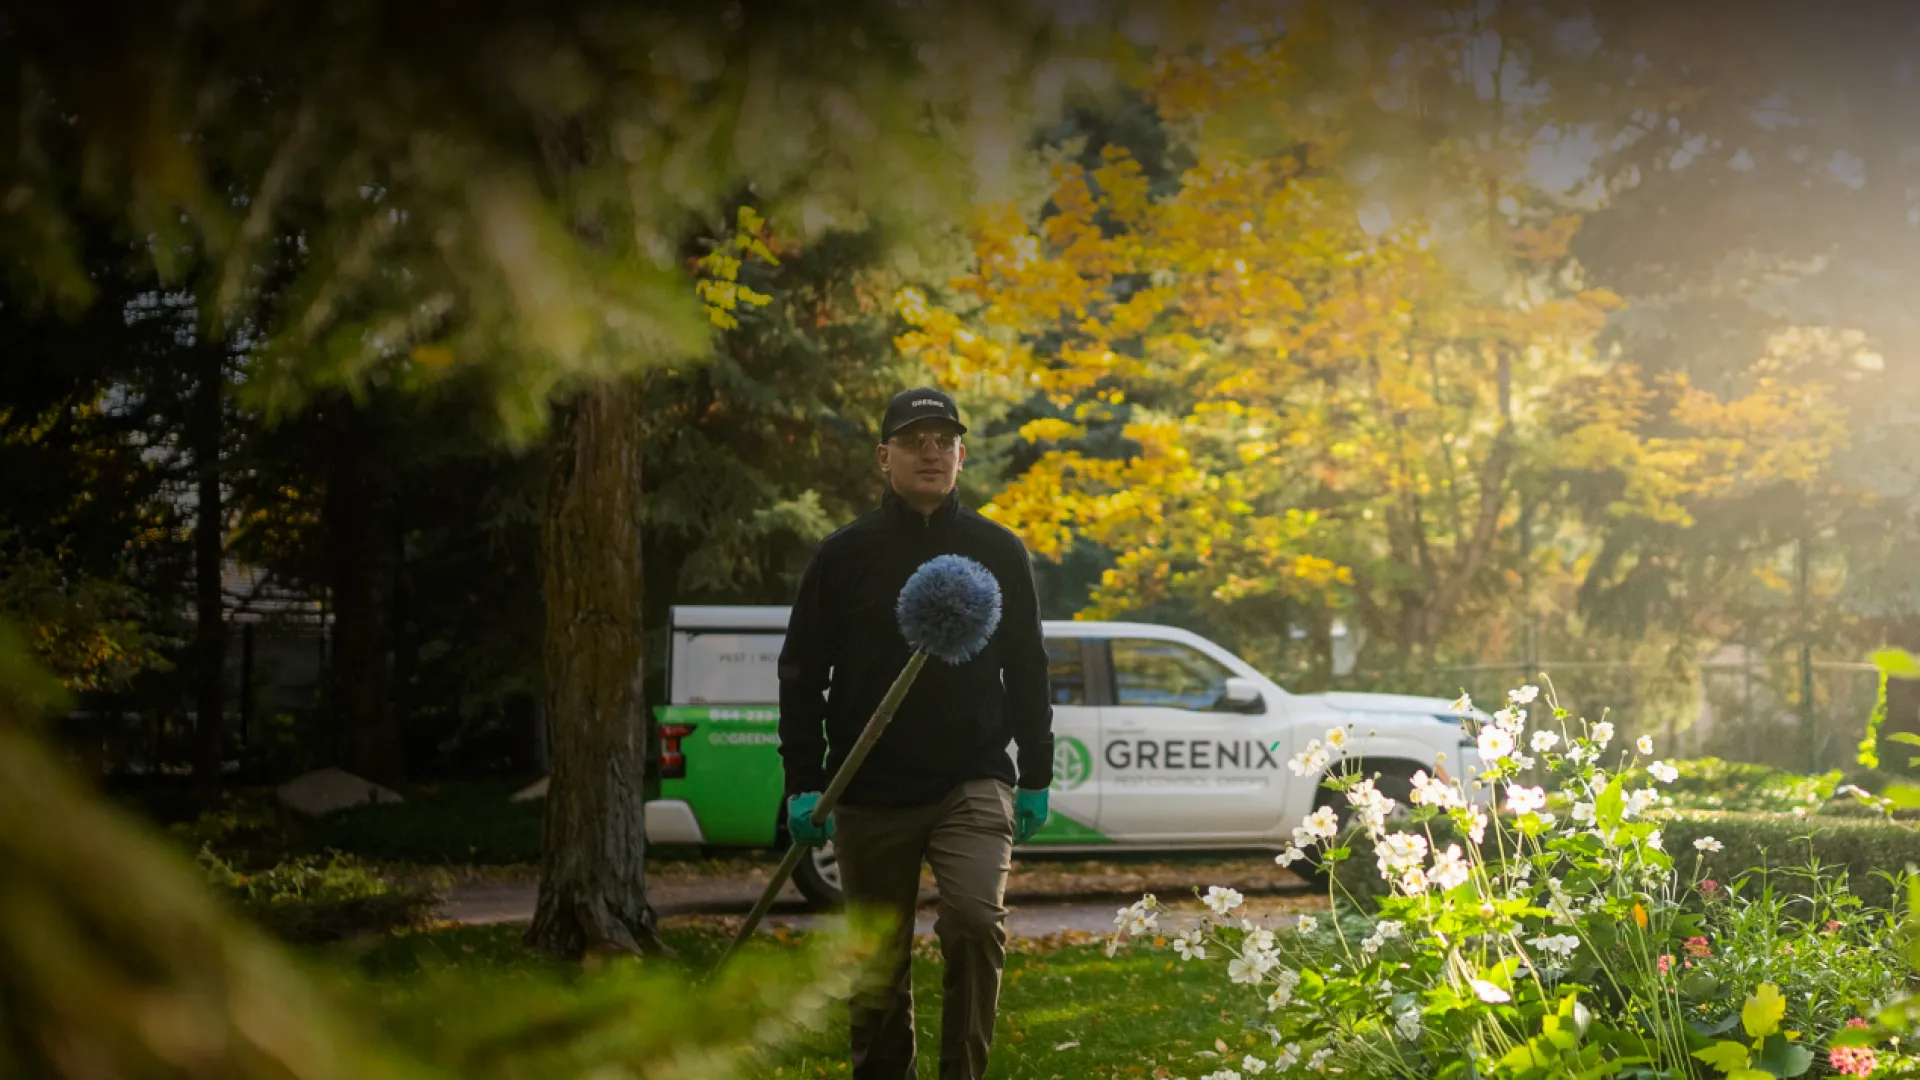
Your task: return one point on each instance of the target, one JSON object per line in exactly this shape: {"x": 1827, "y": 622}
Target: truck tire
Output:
{"x": 818, "y": 879}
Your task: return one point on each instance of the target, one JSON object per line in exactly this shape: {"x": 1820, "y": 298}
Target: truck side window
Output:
{"x": 1066, "y": 676}
{"x": 1166, "y": 674}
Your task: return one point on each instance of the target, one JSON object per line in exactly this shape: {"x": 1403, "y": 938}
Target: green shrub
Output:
{"x": 458, "y": 822}
{"x": 1715, "y": 784}
{"x": 1866, "y": 852}
{"x": 313, "y": 899}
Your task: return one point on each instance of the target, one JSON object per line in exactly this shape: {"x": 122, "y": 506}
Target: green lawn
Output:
{"x": 1065, "y": 1012}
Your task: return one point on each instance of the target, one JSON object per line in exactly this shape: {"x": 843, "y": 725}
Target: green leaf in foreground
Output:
{"x": 1762, "y": 1013}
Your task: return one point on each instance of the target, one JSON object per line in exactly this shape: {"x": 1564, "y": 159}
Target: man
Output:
{"x": 938, "y": 786}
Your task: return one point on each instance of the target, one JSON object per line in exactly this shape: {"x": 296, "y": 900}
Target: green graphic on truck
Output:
{"x": 723, "y": 762}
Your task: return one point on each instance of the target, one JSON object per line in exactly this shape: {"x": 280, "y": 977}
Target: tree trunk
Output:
{"x": 593, "y": 894}
{"x": 210, "y": 628}
{"x": 359, "y": 511}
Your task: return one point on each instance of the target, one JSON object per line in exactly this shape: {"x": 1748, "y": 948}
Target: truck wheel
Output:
{"x": 818, "y": 878}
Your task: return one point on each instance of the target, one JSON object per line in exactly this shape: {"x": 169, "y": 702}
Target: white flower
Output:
{"x": 1337, "y": 738}
{"x": 1433, "y": 791}
{"x": 1223, "y": 1074}
{"x": 1142, "y": 924}
{"x": 1576, "y": 754}
{"x": 1247, "y": 970}
{"x": 1450, "y": 869}
{"x": 1463, "y": 705}
{"x": 1370, "y": 805}
{"x": 1644, "y": 744}
{"x": 1399, "y": 852}
{"x": 1583, "y": 813}
{"x": 1639, "y": 802}
{"x": 1602, "y": 733}
{"x": 1408, "y": 1024}
{"x": 1476, "y": 823}
{"x": 1283, "y": 985}
{"x": 1318, "y": 1062}
{"x": 1655, "y": 840}
{"x": 1560, "y": 946}
{"x": 1663, "y": 772}
{"x": 1289, "y": 1057}
{"x": 1310, "y": 761}
{"x": 1383, "y": 932}
{"x": 1511, "y": 720}
{"x": 1490, "y": 993}
{"x": 1113, "y": 947}
{"x": 1306, "y": 924}
{"x": 1189, "y": 949}
{"x": 1258, "y": 937}
{"x": 1708, "y": 843}
{"x": 1253, "y": 1065}
{"x": 1544, "y": 741}
{"x": 1525, "y": 800}
{"x": 1322, "y": 824}
{"x": 1495, "y": 743}
{"x": 1414, "y": 882}
{"x": 1524, "y": 695}
{"x": 1290, "y": 856}
{"x": 1220, "y": 901}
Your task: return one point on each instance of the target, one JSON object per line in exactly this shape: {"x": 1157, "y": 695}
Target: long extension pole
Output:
{"x": 876, "y": 726}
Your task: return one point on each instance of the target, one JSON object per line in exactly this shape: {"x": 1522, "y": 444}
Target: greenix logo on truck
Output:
{"x": 1072, "y": 763}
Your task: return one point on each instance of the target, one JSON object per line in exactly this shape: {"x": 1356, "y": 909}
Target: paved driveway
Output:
{"x": 1043, "y": 897}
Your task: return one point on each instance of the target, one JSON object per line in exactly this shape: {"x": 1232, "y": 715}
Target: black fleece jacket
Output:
{"x": 844, "y": 649}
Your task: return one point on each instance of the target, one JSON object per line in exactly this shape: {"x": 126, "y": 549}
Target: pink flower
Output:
{"x": 1853, "y": 1060}
{"x": 1697, "y": 946}
{"x": 1832, "y": 925}
{"x": 1664, "y": 963}
{"x": 1709, "y": 888}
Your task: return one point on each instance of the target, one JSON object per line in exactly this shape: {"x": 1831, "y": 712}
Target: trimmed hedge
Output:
{"x": 1715, "y": 784}
{"x": 1769, "y": 849}
{"x": 1778, "y": 850}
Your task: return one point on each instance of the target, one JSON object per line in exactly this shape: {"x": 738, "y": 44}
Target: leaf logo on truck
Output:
{"x": 1072, "y": 763}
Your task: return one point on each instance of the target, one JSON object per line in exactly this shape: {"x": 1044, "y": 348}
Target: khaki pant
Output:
{"x": 967, "y": 839}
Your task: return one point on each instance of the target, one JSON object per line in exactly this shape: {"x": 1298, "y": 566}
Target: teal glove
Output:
{"x": 800, "y": 824}
{"x": 1029, "y": 813}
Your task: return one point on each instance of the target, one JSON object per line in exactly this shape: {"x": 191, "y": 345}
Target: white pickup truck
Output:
{"x": 1164, "y": 741}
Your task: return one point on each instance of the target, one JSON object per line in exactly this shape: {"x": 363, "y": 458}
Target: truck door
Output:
{"x": 1075, "y": 800}
{"x": 1179, "y": 762}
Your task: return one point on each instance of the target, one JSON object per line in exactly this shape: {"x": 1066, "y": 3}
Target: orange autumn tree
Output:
{"x": 1328, "y": 395}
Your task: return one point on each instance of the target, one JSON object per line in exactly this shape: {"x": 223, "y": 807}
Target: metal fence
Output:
{"x": 1743, "y": 709}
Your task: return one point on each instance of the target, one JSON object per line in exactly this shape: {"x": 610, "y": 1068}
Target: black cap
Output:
{"x": 919, "y": 403}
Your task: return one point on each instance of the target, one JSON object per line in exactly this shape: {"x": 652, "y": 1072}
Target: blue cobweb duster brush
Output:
{"x": 949, "y": 608}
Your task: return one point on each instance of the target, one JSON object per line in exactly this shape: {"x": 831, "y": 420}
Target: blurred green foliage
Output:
{"x": 116, "y": 959}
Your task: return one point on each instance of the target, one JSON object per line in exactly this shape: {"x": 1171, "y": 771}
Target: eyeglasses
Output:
{"x": 942, "y": 442}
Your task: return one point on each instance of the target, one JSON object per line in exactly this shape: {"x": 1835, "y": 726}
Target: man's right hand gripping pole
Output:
{"x": 800, "y": 824}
